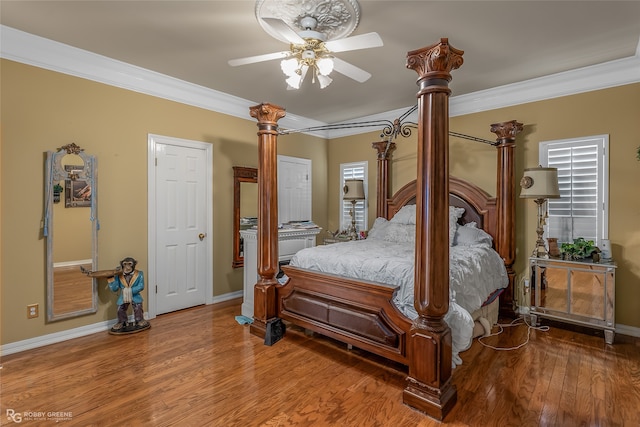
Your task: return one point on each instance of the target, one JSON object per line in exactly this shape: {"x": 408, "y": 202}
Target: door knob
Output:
{"x": 201, "y": 236}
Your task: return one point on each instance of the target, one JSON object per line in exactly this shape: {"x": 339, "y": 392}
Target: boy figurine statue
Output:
{"x": 129, "y": 282}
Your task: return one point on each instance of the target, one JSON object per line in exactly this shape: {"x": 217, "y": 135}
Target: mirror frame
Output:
{"x": 55, "y": 172}
{"x": 240, "y": 174}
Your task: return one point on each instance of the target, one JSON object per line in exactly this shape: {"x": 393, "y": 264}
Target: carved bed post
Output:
{"x": 506, "y": 232}
{"x": 264, "y": 291}
{"x": 429, "y": 387}
{"x": 384, "y": 148}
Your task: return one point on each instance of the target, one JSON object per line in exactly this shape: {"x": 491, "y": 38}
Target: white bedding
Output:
{"x": 475, "y": 272}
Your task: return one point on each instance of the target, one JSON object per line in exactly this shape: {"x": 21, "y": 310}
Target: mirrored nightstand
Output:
{"x": 579, "y": 292}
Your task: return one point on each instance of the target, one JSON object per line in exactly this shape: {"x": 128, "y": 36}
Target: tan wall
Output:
{"x": 43, "y": 110}
{"x": 613, "y": 111}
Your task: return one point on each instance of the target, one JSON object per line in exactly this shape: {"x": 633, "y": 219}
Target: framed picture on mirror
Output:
{"x": 77, "y": 193}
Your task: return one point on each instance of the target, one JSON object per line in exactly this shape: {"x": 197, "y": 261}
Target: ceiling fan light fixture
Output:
{"x": 314, "y": 29}
{"x": 290, "y": 66}
{"x": 325, "y": 66}
{"x": 294, "y": 81}
{"x": 324, "y": 81}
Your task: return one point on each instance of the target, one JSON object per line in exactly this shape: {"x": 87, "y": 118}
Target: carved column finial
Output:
{"x": 435, "y": 61}
{"x": 267, "y": 114}
{"x": 506, "y": 129}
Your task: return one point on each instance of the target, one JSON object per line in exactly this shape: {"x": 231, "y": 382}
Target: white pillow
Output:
{"x": 469, "y": 235}
{"x": 377, "y": 229}
{"x": 454, "y": 215}
{"x": 406, "y": 215}
{"x": 392, "y": 231}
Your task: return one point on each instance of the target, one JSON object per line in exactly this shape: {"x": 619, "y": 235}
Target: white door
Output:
{"x": 294, "y": 189}
{"x": 181, "y": 207}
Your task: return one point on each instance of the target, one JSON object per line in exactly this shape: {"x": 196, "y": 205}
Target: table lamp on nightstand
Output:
{"x": 540, "y": 184}
{"x": 353, "y": 191}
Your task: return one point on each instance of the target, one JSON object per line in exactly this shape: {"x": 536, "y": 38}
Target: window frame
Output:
{"x": 601, "y": 144}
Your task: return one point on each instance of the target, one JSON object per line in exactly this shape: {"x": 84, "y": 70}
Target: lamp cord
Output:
{"x": 516, "y": 322}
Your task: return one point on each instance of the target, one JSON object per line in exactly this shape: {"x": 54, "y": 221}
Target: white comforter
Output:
{"x": 474, "y": 272}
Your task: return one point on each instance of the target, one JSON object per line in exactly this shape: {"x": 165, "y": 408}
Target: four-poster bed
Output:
{"x": 362, "y": 313}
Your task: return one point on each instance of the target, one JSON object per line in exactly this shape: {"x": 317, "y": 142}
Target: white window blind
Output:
{"x": 356, "y": 170}
{"x": 583, "y": 178}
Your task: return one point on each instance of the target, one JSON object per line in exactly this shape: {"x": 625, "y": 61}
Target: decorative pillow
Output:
{"x": 392, "y": 232}
{"x": 400, "y": 233}
{"x": 378, "y": 229}
{"x": 469, "y": 235}
{"x": 406, "y": 215}
{"x": 454, "y": 215}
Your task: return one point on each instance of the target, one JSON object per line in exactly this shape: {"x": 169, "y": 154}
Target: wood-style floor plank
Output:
{"x": 199, "y": 367}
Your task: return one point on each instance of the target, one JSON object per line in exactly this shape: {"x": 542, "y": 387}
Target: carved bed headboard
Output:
{"x": 478, "y": 205}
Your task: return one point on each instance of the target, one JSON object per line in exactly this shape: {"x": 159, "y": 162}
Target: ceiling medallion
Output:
{"x": 336, "y": 19}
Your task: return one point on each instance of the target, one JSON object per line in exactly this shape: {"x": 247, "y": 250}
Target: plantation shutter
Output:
{"x": 357, "y": 170}
{"x": 581, "y": 211}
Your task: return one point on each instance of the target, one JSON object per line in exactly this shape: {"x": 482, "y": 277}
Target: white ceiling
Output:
{"x": 504, "y": 42}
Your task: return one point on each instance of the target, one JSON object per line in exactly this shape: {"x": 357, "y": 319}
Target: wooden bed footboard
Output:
{"x": 352, "y": 311}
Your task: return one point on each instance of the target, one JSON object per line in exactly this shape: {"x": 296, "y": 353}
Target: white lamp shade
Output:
{"x": 324, "y": 80}
{"x": 289, "y": 66}
{"x": 325, "y": 66}
{"x": 353, "y": 189}
{"x": 540, "y": 183}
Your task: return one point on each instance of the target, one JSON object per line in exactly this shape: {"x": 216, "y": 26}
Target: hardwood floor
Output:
{"x": 199, "y": 367}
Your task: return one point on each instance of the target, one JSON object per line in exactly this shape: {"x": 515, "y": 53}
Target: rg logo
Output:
{"x": 14, "y": 416}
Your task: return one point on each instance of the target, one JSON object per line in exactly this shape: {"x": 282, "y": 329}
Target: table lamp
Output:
{"x": 353, "y": 191}
{"x": 540, "y": 184}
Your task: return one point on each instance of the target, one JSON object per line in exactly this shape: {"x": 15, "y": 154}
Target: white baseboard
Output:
{"x": 628, "y": 330}
{"x": 41, "y": 341}
{"x": 620, "y": 329}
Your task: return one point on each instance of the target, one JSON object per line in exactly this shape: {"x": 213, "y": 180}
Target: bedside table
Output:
{"x": 579, "y": 292}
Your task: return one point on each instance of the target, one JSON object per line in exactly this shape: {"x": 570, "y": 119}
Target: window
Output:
{"x": 356, "y": 170}
{"x": 583, "y": 177}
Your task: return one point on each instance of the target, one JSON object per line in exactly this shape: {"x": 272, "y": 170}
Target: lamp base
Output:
{"x": 541, "y": 249}
{"x": 540, "y": 252}
{"x": 352, "y": 232}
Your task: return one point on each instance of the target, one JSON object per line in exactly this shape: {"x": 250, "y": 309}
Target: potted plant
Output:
{"x": 580, "y": 249}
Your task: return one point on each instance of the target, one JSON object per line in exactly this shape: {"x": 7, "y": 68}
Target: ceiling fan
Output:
{"x": 310, "y": 49}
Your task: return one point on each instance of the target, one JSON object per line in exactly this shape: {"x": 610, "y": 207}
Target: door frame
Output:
{"x": 152, "y": 142}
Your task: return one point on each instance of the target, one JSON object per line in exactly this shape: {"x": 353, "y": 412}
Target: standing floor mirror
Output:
{"x": 70, "y": 227}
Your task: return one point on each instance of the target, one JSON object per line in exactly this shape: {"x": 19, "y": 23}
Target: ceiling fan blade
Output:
{"x": 350, "y": 70}
{"x": 285, "y": 31}
{"x": 362, "y": 41}
{"x": 258, "y": 58}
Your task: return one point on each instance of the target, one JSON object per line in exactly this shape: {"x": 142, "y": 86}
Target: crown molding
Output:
{"x": 40, "y": 52}
{"x": 47, "y": 54}
{"x": 601, "y": 76}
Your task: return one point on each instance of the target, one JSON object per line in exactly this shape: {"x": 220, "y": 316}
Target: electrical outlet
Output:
{"x": 32, "y": 311}
{"x": 526, "y": 286}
